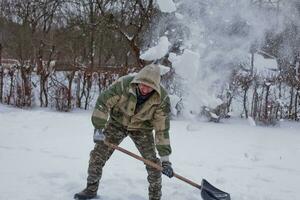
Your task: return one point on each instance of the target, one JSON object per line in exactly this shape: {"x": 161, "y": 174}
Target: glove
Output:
{"x": 167, "y": 169}
{"x": 98, "y": 135}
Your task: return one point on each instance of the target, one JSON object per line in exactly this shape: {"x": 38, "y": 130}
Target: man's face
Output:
{"x": 144, "y": 89}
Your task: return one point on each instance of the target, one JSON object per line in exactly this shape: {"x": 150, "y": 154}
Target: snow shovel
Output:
{"x": 208, "y": 191}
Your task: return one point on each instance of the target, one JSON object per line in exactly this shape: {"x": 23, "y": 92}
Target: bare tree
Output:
{"x": 244, "y": 80}
{"x": 92, "y": 30}
{"x": 11, "y": 74}
{"x": 1, "y": 75}
{"x": 130, "y": 20}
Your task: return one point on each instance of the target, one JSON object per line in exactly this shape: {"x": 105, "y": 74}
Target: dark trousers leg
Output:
{"x": 144, "y": 142}
{"x": 101, "y": 153}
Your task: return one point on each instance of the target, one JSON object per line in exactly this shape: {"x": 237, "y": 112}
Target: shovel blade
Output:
{"x": 209, "y": 192}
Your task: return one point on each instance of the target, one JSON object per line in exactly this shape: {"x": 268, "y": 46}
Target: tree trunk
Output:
{"x": 26, "y": 86}
{"x": 100, "y": 53}
{"x": 280, "y": 97}
{"x": 252, "y": 63}
{"x": 89, "y": 86}
{"x": 83, "y": 89}
{"x": 137, "y": 53}
{"x": 296, "y": 104}
{"x": 245, "y": 101}
{"x": 41, "y": 91}
{"x": 266, "y": 116}
{"x": 11, "y": 88}
{"x": 70, "y": 79}
{"x": 254, "y": 107}
{"x": 291, "y": 102}
{"x": 41, "y": 72}
{"x": 1, "y": 76}
{"x": 261, "y": 103}
{"x": 92, "y": 54}
{"x": 78, "y": 98}
{"x": 99, "y": 82}
{"x": 45, "y": 91}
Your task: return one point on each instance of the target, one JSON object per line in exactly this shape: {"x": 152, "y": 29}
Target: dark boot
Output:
{"x": 89, "y": 192}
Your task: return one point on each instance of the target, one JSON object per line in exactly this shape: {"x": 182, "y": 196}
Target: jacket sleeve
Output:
{"x": 161, "y": 124}
{"x": 105, "y": 102}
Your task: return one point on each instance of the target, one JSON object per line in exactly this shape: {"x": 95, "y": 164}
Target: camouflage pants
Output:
{"x": 144, "y": 142}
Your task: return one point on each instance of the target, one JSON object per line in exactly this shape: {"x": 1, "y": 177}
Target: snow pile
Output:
{"x": 44, "y": 155}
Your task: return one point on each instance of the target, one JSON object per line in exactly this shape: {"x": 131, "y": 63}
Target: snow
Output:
{"x": 251, "y": 121}
{"x": 297, "y": 68}
{"x": 174, "y": 101}
{"x": 163, "y": 69}
{"x": 185, "y": 64}
{"x": 198, "y": 82}
{"x": 158, "y": 51}
{"x": 44, "y": 155}
{"x": 52, "y": 64}
{"x": 220, "y": 35}
{"x": 213, "y": 115}
{"x": 179, "y": 16}
{"x": 167, "y": 6}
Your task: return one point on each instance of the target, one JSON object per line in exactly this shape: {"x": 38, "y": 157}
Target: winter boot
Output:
{"x": 89, "y": 192}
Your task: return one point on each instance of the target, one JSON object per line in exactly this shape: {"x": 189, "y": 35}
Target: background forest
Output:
{"x": 223, "y": 58}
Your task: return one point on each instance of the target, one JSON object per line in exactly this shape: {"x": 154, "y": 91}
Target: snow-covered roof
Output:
{"x": 261, "y": 64}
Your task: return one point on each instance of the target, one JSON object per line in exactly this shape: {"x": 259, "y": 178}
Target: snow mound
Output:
{"x": 158, "y": 51}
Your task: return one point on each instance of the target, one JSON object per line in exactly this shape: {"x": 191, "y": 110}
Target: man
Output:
{"x": 133, "y": 106}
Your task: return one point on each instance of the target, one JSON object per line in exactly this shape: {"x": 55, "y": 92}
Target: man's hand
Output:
{"x": 98, "y": 135}
{"x": 167, "y": 169}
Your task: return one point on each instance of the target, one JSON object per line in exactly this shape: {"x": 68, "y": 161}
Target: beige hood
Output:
{"x": 150, "y": 76}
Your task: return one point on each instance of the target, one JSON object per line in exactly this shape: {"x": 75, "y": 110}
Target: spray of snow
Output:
{"x": 167, "y": 6}
{"x": 163, "y": 69}
{"x": 217, "y": 37}
{"x": 157, "y": 51}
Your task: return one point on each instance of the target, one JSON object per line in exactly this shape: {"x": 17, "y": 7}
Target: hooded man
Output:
{"x": 133, "y": 106}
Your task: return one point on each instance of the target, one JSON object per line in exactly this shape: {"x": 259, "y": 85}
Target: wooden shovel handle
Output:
{"x": 150, "y": 163}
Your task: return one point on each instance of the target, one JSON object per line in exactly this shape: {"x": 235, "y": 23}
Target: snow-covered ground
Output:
{"x": 44, "y": 155}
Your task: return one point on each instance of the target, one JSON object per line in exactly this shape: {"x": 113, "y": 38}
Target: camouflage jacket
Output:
{"x": 117, "y": 105}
